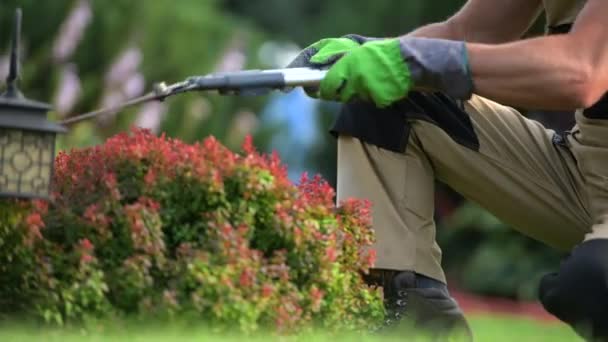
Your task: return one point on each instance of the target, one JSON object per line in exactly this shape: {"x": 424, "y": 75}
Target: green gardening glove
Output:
{"x": 327, "y": 51}
{"x": 384, "y": 71}
{"x": 374, "y": 71}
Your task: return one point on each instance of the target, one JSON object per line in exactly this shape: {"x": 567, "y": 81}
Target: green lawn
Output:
{"x": 492, "y": 329}
{"x": 519, "y": 330}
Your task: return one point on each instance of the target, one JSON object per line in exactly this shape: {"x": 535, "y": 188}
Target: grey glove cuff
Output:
{"x": 438, "y": 64}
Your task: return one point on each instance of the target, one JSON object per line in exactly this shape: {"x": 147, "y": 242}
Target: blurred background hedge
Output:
{"x": 83, "y": 54}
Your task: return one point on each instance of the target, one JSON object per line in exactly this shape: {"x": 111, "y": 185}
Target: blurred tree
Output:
{"x": 305, "y": 21}
{"x": 84, "y": 54}
{"x": 483, "y": 255}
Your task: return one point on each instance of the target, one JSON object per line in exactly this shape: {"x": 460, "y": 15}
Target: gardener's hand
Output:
{"x": 384, "y": 71}
{"x": 327, "y": 51}
{"x": 374, "y": 71}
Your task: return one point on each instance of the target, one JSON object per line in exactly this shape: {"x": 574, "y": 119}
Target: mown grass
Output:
{"x": 512, "y": 329}
{"x": 486, "y": 328}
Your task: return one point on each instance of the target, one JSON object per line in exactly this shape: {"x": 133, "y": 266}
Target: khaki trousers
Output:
{"x": 555, "y": 192}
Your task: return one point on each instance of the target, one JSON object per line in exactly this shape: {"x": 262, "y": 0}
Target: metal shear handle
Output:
{"x": 258, "y": 79}
{"x": 253, "y": 82}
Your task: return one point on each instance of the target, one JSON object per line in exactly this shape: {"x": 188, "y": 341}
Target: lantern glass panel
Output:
{"x": 25, "y": 162}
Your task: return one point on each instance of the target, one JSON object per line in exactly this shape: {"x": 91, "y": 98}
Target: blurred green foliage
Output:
{"x": 175, "y": 40}
{"x": 306, "y": 21}
{"x": 483, "y": 255}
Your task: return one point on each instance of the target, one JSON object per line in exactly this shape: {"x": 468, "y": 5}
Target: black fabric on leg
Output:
{"x": 578, "y": 293}
{"x": 389, "y": 128}
{"x": 386, "y": 128}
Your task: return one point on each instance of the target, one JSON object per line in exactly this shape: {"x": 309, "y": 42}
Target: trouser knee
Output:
{"x": 578, "y": 293}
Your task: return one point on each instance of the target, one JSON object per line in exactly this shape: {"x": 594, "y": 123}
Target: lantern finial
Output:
{"x": 13, "y": 74}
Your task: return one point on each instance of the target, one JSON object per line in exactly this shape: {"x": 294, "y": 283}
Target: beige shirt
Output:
{"x": 560, "y": 12}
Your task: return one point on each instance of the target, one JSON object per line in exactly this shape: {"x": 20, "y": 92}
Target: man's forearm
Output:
{"x": 541, "y": 73}
{"x": 441, "y": 30}
{"x": 561, "y": 72}
{"x": 517, "y": 73}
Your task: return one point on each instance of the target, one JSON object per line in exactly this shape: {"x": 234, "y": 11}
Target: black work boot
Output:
{"x": 419, "y": 305}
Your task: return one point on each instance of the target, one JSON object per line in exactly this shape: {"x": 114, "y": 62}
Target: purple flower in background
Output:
{"x": 234, "y": 59}
{"x": 134, "y": 85}
{"x": 124, "y": 67}
{"x": 111, "y": 98}
{"x": 68, "y": 91}
{"x": 123, "y": 81}
{"x": 72, "y": 31}
{"x": 150, "y": 116}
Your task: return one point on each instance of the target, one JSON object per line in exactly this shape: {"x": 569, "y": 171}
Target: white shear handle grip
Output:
{"x": 304, "y": 77}
{"x": 258, "y": 79}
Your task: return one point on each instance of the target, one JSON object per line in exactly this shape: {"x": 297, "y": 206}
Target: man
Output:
{"x": 425, "y": 106}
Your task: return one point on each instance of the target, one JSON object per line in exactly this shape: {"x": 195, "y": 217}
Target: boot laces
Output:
{"x": 396, "y": 308}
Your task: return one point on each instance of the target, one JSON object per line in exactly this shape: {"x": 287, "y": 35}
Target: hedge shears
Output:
{"x": 246, "y": 82}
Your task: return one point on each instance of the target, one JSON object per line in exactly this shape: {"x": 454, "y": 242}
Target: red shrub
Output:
{"x": 151, "y": 226}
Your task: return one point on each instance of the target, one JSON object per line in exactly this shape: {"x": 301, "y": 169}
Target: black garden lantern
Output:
{"x": 27, "y": 139}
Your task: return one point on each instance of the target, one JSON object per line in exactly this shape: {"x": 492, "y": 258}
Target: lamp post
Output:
{"x": 27, "y": 139}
